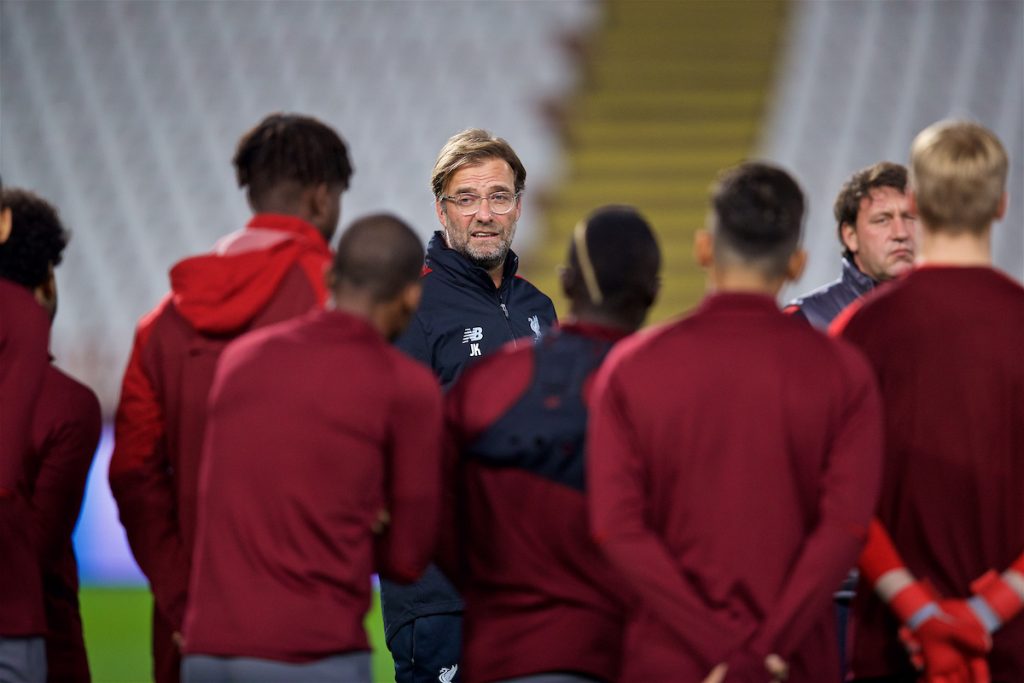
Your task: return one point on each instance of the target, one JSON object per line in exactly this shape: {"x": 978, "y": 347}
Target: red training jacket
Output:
{"x": 65, "y": 432}
{"x": 947, "y": 346}
{"x": 24, "y": 340}
{"x": 315, "y": 426}
{"x": 734, "y": 465}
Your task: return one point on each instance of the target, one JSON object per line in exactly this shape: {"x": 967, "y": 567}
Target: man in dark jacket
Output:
{"x": 473, "y": 303}
{"x": 876, "y": 230}
{"x": 294, "y": 169}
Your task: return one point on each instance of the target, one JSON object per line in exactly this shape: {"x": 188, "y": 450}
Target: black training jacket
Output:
{"x": 462, "y": 317}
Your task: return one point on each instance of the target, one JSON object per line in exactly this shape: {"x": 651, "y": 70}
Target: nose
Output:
{"x": 901, "y": 230}
{"x": 484, "y": 212}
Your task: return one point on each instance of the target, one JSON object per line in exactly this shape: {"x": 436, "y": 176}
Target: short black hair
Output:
{"x": 623, "y": 255}
{"x": 37, "y": 239}
{"x": 758, "y": 215}
{"x": 290, "y": 148}
{"x": 380, "y": 254}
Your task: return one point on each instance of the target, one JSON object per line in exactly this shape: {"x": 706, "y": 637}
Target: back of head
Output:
{"x": 473, "y": 146}
{"x": 36, "y": 242}
{"x": 958, "y": 173}
{"x": 858, "y": 186}
{"x": 378, "y": 256}
{"x": 290, "y": 150}
{"x": 758, "y": 213}
{"x": 615, "y": 257}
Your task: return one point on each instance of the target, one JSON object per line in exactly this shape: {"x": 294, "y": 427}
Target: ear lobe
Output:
{"x": 411, "y": 296}
{"x": 796, "y": 265}
{"x": 849, "y": 233}
{"x": 5, "y": 224}
{"x": 704, "y": 248}
{"x": 440, "y": 211}
{"x": 1000, "y": 210}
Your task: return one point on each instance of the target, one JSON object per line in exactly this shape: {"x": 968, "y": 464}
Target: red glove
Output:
{"x": 942, "y": 644}
{"x": 998, "y": 598}
{"x": 949, "y": 646}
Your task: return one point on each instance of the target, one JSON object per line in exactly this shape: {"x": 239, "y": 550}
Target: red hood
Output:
{"x": 222, "y": 291}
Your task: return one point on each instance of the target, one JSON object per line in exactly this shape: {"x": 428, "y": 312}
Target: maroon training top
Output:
{"x": 734, "y": 465}
{"x": 315, "y": 425}
{"x": 24, "y": 341}
{"x": 65, "y": 432}
{"x": 947, "y": 345}
{"x": 539, "y": 595}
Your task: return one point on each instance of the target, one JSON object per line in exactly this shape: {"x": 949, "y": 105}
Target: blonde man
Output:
{"x": 944, "y": 556}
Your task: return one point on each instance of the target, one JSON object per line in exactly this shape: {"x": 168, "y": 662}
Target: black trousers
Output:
{"x": 427, "y": 649}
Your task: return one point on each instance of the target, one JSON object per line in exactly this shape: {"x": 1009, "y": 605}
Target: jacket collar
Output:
{"x": 456, "y": 267}
{"x": 855, "y": 279}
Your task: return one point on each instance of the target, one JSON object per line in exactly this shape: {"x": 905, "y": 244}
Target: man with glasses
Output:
{"x": 472, "y": 305}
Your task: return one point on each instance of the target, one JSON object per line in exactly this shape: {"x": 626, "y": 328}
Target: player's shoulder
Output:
{"x": 650, "y": 345}
{"x": 68, "y": 399}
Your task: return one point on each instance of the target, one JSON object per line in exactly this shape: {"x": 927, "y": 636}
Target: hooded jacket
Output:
{"x": 269, "y": 272}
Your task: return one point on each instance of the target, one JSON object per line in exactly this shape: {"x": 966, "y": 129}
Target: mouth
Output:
{"x": 903, "y": 255}
{"x": 483, "y": 234}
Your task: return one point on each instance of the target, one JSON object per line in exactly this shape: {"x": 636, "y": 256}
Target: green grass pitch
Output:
{"x": 117, "y": 628}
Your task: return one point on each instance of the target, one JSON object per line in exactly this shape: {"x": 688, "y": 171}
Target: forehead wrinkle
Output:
{"x": 483, "y": 179}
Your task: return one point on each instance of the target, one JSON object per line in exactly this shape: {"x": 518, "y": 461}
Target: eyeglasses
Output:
{"x": 468, "y": 203}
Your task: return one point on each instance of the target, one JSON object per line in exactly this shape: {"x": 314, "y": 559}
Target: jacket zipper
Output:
{"x": 508, "y": 319}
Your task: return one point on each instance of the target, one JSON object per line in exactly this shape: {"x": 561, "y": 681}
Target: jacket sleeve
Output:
{"x": 24, "y": 335}
{"x": 413, "y": 474}
{"x": 850, "y": 488}
{"x": 60, "y": 484}
{"x": 141, "y": 482}
{"x": 617, "y": 510}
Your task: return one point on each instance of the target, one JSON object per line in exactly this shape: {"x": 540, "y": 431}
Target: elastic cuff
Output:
{"x": 922, "y": 615}
{"x": 985, "y": 614}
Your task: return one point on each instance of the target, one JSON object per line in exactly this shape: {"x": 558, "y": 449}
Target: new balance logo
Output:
{"x": 473, "y": 334}
{"x": 447, "y": 674}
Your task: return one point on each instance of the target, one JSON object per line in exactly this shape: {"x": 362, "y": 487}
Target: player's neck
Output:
{"x": 955, "y": 249}
{"x": 742, "y": 281}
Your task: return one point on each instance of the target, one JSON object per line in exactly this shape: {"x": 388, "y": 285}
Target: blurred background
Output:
{"x": 125, "y": 115}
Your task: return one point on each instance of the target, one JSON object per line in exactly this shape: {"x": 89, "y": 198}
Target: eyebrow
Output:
{"x": 500, "y": 187}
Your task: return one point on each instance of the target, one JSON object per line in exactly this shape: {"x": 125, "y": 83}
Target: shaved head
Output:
{"x": 379, "y": 255}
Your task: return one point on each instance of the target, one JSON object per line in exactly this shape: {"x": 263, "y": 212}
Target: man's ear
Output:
{"x": 440, "y": 210}
{"x": 411, "y": 296}
{"x": 319, "y": 202}
{"x": 5, "y": 224}
{"x": 704, "y": 248}
{"x": 795, "y": 266}
{"x": 849, "y": 234}
{"x": 1001, "y": 209}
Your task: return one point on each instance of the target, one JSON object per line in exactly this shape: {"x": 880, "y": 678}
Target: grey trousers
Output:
{"x": 347, "y": 668}
{"x": 22, "y": 660}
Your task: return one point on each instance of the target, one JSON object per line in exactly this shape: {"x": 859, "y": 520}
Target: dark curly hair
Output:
{"x": 37, "y": 239}
{"x": 290, "y": 147}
